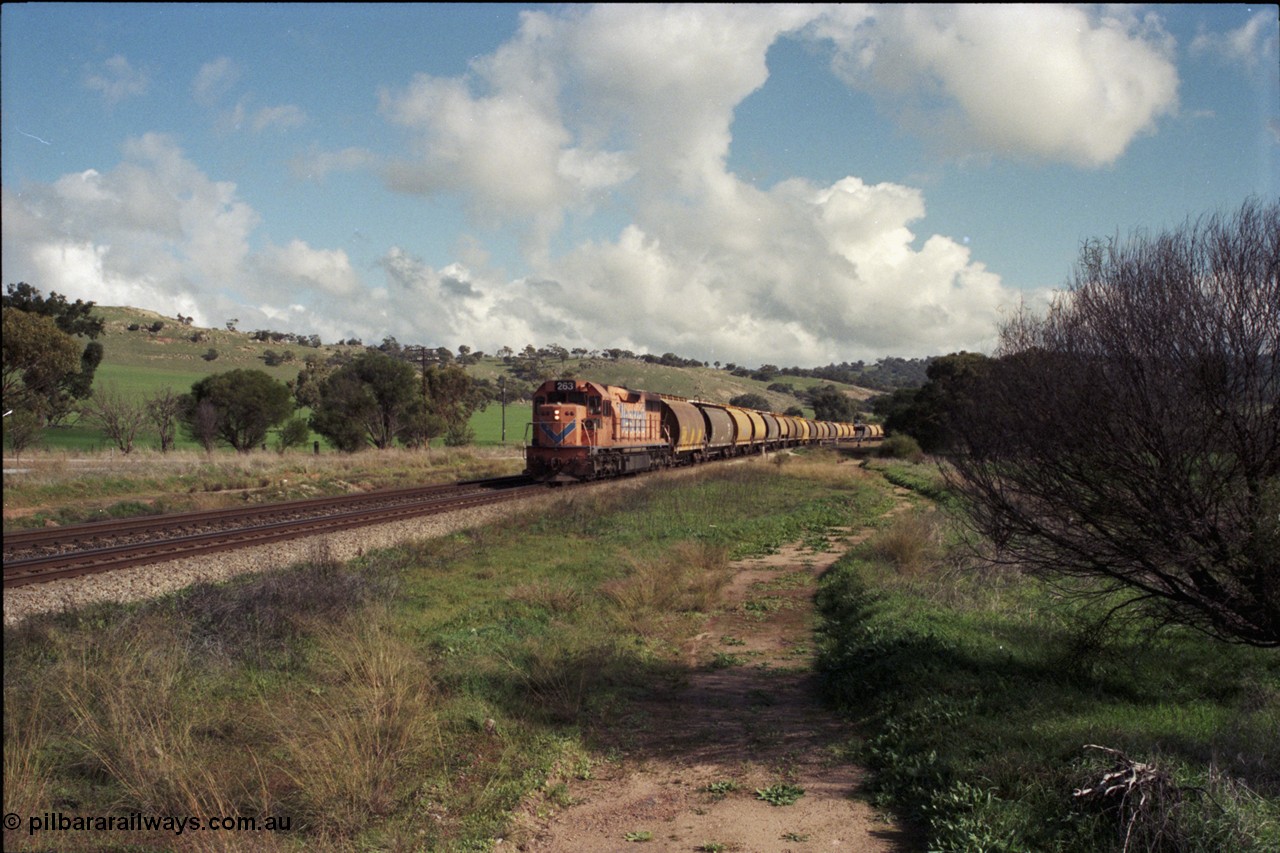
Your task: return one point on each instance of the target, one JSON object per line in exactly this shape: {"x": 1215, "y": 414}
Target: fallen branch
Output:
{"x": 1144, "y": 796}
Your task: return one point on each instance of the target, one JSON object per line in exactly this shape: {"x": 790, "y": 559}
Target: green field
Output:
{"x": 140, "y": 363}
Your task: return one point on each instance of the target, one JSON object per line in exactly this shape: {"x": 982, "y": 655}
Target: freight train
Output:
{"x": 586, "y": 430}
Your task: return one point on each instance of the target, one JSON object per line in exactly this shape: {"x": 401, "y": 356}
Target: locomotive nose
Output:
{"x": 558, "y": 425}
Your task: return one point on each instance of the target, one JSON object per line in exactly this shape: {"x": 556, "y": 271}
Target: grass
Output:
{"x": 444, "y": 694}
{"x": 67, "y": 488}
{"x": 976, "y": 693}
{"x": 438, "y": 695}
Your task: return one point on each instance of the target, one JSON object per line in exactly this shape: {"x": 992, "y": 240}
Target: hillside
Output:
{"x": 140, "y": 362}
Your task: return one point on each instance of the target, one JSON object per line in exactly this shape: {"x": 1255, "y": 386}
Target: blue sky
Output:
{"x": 792, "y": 184}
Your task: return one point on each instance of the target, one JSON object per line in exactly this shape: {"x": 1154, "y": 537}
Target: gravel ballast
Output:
{"x": 158, "y": 579}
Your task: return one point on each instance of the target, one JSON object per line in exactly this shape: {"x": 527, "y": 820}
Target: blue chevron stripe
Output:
{"x": 557, "y": 437}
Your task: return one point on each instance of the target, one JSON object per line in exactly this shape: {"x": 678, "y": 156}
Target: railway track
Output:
{"x": 36, "y": 556}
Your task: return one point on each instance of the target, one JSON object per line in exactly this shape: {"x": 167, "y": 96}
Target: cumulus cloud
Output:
{"x": 638, "y": 102}
{"x": 1054, "y": 83}
{"x": 298, "y": 268}
{"x": 632, "y": 106}
{"x": 117, "y": 79}
{"x": 157, "y": 232}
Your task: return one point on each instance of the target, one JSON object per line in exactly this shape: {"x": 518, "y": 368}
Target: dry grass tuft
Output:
{"x": 27, "y": 774}
{"x": 820, "y": 466}
{"x": 553, "y": 596}
{"x": 912, "y": 544}
{"x": 687, "y": 578}
{"x": 130, "y": 700}
{"x": 349, "y": 747}
{"x": 560, "y": 674}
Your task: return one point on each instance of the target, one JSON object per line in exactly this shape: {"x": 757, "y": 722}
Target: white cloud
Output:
{"x": 501, "y": 149}
{"x": 117, "y": 80}
{"x": 259, "y": 119}
{"x": 638, "y": 102}
{"x": 630, "y": 106}
{"x": 156, "y": 232}
{"x": 283, "y": 116}
{"x": 214, "y": 80}
{"x": 317, "y": 165}
{"x": 1038, "y": 81}
{"x": 1251, "y": 45}
{"x": 298, "y": 268}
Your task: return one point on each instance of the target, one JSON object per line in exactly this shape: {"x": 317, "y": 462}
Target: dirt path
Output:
{"x": 748, "y": 718}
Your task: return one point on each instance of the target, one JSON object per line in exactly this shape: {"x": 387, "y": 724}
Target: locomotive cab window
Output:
{"x": 578, "y": 397}
{"x": 593, "y": 405}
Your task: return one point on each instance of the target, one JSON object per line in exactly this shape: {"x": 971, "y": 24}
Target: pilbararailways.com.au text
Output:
{"x": 139, "y": 822}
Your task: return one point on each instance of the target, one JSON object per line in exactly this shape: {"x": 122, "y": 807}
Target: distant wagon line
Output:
{"x": 585, "y": 430}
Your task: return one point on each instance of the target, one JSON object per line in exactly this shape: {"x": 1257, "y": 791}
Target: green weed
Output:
{"x": 975, "y": 709}
{"x": 780, "y": 794}
{"x": 721, "y": 789}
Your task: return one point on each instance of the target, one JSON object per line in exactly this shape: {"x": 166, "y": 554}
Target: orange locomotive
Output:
{"x": 585, "y": 430}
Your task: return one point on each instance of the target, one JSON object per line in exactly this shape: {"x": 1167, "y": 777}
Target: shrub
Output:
{"x": 902, "y": 446}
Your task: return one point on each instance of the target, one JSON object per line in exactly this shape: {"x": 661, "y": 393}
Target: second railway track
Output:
{"x": 43, "y": 555}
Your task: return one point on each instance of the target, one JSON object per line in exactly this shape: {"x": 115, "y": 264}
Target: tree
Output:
{"x": 366, "y": 401}
{"x": 38, "y": 357}
{"x": 307, "y": 385}
{"x": 22, "y": 429}
{"x": 164, "y": 409}
{"x": 295, "y": 433}
{"x": 116, "y": 415}
{"x": 1128, "y": 442}
{"x": 71, "y": 319}
{"x": 420, "y": 427}
{"x": 80, "y": 385}
{"x": 201, "y": 423}
{"x": 829, "y": 404}
{"x": 751, "y": 401}
{"x": 925, "y": 412}
{"x": 452, "y": 397}
{"x": 246, "y": 404}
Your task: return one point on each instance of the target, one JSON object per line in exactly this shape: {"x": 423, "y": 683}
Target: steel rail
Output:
{"x": 75, "y": 533}
{"x": 39, "y": 569}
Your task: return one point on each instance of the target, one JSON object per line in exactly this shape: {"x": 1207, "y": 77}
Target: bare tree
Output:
{"x": 203, "y": 425}
{"x": 23, "y": 428}
{"x": 116, "y": 415}
{"x": 1131, "y": 437}
{"x": 164, "y": 408}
